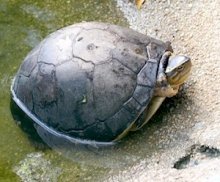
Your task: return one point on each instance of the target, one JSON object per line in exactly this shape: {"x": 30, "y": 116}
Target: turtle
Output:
{"x": 95, "y": 82}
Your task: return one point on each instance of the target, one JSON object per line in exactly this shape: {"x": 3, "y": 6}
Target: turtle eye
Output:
{"x": 180, "y": 68}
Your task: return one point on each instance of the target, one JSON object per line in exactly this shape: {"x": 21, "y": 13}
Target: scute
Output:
{"x": 148, "y": 74}
{"x": 133, "y": 106}
{"x": 102, "y": 132}
{"x": 94, "y": 50}
{"x": 57, "y": 48}
{"x": 113, "y": 85}
{"x": 75, "y": 107}
{"x": 119, "y": 122}
{"x": 143, "y": 94}
{"x": 22, "y": 92}
{"x": 126, "y": 53}
{"x": 45, "y": 93}
{"x": 90, "y": 80}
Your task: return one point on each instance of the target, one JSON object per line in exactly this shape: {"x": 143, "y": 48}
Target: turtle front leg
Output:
{"x": 166, "y": 91}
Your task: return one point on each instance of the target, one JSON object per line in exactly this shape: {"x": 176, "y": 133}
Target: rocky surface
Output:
{"x": 191, "y": 123}
{"x": 35, "y": 168}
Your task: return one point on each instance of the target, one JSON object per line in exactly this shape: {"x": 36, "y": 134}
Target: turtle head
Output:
{"x": 178, "y": 70}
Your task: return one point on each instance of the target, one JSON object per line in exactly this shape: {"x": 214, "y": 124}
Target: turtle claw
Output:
{"x": 139, "y": 3}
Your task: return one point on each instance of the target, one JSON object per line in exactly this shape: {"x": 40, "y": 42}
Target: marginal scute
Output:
{"x": 143, "y": 94}
{"x": 23, "y": 92}
{"x": 148, "y": 74}
{"x": 119, "y": 122}
{"x": 133, "y": 106}
{"x": 15, "y": 83}
{"x": 102, "y": 132}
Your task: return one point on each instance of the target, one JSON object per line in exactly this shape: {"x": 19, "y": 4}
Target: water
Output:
{"x": 23, "y": 24}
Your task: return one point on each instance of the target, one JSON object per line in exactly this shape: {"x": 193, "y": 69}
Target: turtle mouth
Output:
{"x": 178, "y": 79}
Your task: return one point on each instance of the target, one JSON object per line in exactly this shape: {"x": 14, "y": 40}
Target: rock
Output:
{"x": 35, "y": 168}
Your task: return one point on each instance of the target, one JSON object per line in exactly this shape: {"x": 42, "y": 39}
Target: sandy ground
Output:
{"x": 189, "y": 135}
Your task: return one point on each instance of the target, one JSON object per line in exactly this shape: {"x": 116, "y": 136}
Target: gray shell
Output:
{"x": 89, "y": 80}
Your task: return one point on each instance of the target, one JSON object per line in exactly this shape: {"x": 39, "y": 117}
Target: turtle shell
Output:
{"x": 89, "y": 81}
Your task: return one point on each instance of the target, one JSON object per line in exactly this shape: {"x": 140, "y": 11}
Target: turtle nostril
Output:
{"x": 79, "y": 39}
{"x": 92, "y": 46}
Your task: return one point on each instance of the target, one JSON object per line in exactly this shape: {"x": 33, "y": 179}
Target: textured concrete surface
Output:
{"x": 187, "y": 138}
